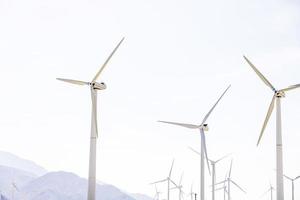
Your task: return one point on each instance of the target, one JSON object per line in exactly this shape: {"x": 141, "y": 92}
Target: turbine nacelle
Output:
{"x": 280, "y": 94}
{"x": 98, "y": 86}
{"x": 204, "y": 127}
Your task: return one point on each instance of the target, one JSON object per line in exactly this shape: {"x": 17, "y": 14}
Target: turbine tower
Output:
{"x": 213, "y": 173}
{"x": 94, "y": 87}
{"x": 168, "y": 180}
{"x": 278, "y": 94}
{"x": 293, "y": 184}
{"x": 202, "y": 128}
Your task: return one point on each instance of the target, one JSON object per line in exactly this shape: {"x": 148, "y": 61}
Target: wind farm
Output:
{"x": 199, "y": 102}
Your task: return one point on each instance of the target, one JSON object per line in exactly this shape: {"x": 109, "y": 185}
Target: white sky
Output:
{"x": 177, "y": 59}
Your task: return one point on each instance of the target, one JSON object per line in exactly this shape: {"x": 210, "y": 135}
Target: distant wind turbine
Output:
{"x": 157, "y": 193}
{"x": 94, "y": 87}
{"x": 179, "y": 187}
{"x": 271, "y": 189}
{"x": 278, "y": 94}
{"x": 229, "y": 181}
{"x": 293, "y": 184}
{"x": 213, "y": 166}
{"x": 192, "y": 194}
{"x": 203, "y": 150}
{"x": 168, "y": 180}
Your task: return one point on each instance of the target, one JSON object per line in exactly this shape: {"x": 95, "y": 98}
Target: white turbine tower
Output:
{"x": 270, "y": 190}
{"x": 94, "y": 87}
{"x": 213, "y": 171}
{"x": 168, "y": 180}
{"x": 229, "y": 181}
{"x": 278, "y": 94}
{"x": 293, "y": 184}
{"x": 202, "y": 128}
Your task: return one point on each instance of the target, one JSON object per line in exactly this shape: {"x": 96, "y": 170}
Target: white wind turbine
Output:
{"x": 192, "y": 194}
{"x": 229, "y": 180}
{"x": 278, "y": 94}
{"x": 94, "y": 87}
{"x": 213, "y": 172}
{"x": 203, "y": 151}
{"x": 293, "y": 184}
{"x": 224, "y": 188}
{"x": 13, "y": 189}
{"x": 157, "y": 193}
{"x": 168, "y": 180}
{"x": 271, "y": 189}
{"x": 179, "y": 187}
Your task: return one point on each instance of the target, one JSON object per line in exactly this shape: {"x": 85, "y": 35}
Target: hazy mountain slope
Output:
{"x": 9, "y": 175}
{"x": 10, "y": 160}
{"x": 141, "y": 197}
{"x": 67, "y": 186}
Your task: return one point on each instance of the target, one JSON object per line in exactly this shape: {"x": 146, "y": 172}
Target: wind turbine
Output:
{"x": 192, "y": 194}
{"x": 271, "y": 189}
{"x": 278, "y": 94}
{"x": 293, "y": 184}
{"x": 179, "y": 187}
{"x": 13, "y": 189}
{"x": 213, "y": 166}
{"x": 202, "y": 128}
{"x": 224, "y": 187}
{"x": 157, "y": 193}
{"x": 168, "y": 180}
{"x": 94, "y": 87}
{"x": 229, "y": 181}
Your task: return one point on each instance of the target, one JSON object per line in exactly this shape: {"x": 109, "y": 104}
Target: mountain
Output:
{"x": 138, "y": 196}
{"x": 10, "y": 160}
{"x": 2, "y": 197}
{"x": 67, "y": 186}
{"x": 9, "y": 175}
{"x": 34, "y": 183}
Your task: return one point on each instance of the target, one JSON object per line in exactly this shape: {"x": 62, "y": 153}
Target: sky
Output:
{"x": 176, "y": 60}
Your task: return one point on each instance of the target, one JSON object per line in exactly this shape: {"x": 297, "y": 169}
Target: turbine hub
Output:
{"x": 280, "y": 94}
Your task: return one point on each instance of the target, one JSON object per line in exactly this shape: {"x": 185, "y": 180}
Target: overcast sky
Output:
{"x": 176, "y": 60}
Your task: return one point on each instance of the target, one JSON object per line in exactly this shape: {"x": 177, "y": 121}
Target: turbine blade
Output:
{"x": 220, "y": 182}
{"x": 265, "y": 193}
{"x": 180, "y": 181}
{"x": 173, "y": 182}
{"x": 171, "y": 169}
{"x": 261, "y": 76}
{"x": 270, "y": 110}
{"x": 223, "y": 157}
{"x": 107, "y": 60}
{"x": 205, "y": 149}
{"x": 158, "y": 181}
{"x": 297, "y": 177}
{"x": 238, "y": 186}
{"x": 289, "y": 178}
{"x": 210, "y": 111}
{"x": 222, "y": 188}
{"x": 229, "y": 175}
{"x": 194, "y": 151}
{"x": 76, "y": 82}
{"x": 290, "y": 87}
{"x": 192, "y": 126}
